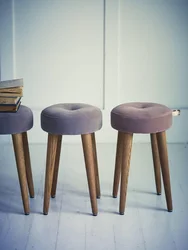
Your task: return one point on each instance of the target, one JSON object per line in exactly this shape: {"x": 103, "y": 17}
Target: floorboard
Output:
{"x": 70, "y": 225}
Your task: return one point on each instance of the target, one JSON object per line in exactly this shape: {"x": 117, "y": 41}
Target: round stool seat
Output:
{"x": 141, "y": 117}
{"x": 71, "y": 119}
{"x": 18, "y": 122}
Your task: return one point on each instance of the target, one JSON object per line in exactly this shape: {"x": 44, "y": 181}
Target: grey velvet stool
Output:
{"x": 17, "y": 124}
{"x": 71, "y": 119}
{"x": 144, "y": 118}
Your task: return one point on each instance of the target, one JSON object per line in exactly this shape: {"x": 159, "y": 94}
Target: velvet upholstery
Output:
{"x": 141, "y": 117}
{"x": 71, "y": 119}
{"x": 18, "y": 122}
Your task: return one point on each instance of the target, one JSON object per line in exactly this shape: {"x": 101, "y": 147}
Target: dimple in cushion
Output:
{"x": 141, "y": 117}
{"x": 71, "y": 119}
{"x": 18, "y": 122}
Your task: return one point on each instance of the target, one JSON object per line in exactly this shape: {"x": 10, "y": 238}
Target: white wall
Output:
{"x": 59, "y": 50}
{"x": 99, "y": 52}
{"x": 6, "y": 40}
{"x": 154, "y": 51}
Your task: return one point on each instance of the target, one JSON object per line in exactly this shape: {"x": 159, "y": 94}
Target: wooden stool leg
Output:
{"x": 20, "y": 162}
{"x": 56, "y": 168}
{"x": 117, "y": 171}
{"x": 156, "y": 162}
{"x": 90, "y": 170}
{"x": 28, "y": 165}
{"x": 161, "y": 139}
{"x": 126, "y": 156}
{"x": 50, "y": 162}
{"x": 97, "y": 181}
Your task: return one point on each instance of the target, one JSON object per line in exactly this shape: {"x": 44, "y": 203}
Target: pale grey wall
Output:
{"x": 154, "y": 51}
{"x": 59, "y": 50}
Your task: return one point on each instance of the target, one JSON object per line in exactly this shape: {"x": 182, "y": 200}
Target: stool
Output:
{"x": 71, "y": 119}
{"x": 17, "y": 124}
{"x": 144, "y": 118}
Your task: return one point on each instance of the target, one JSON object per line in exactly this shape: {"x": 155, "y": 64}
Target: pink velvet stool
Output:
{"x": 71, "y": 119}
{"x": 143, "y": 118}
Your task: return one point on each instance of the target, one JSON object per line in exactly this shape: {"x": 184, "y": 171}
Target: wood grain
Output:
{"x": 161, "y": 138}
{"x": 56, "y": 168}
{"x": 28, "y": 165}
{"x": 97, "y": 181}
{"x": 20, "y": 162}
{"x": 118, "y": 162}
{"x": 50, "y": 163}
{"x": 90, "y": 170}
{"x": 156, "y": 162}
{"x": 126, "y": 156}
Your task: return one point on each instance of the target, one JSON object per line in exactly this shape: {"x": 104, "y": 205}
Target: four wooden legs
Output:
{"x": 160, "y": 161}
{"x": 156, "y": 162}
{"x": 50, "y": 163}
{"x": 90, "y": 170}
{"x": 161, "y": 139}
{"x": 52, "y": 167}
{"x": 20, "y": 162}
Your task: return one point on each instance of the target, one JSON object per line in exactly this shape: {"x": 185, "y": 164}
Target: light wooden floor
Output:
{"x": 70, "y": 225}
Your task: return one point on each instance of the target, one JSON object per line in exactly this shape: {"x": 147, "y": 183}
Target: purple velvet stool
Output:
{"x": 17, "y": 124}
{"x": 144, "y": 118}
{"x": 71, "y": 119}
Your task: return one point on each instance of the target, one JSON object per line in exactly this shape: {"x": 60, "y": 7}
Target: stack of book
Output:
{"x": 11, "y": 92}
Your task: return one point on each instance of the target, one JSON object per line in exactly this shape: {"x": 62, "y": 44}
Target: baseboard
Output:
{"x": 178, "y": 133}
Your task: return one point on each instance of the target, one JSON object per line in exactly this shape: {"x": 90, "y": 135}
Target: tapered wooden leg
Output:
{"x": 56, "y": 168}
{"x": 20, "y": 162}
{"x": 50, "y": 163}
{"x": 90, "y": 170}
{"x": 161, "y": 139}
{"x": 28, "y": 165}
{"x": 126, "y": 156}
{"x": 156, "y": 162}
{"x": 117, "y": 171}
{"x": 97, "y": 181}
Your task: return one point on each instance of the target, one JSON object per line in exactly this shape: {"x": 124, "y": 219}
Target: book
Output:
{"x": 11, "y": 92}
{"x": 10, "y": 108}
{"x": 9, "y": 100}
{"x": 11, "y": 83}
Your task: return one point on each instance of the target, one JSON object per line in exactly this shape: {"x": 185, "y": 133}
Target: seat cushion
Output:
{"x": 18, "y": 122}
{"x": 71, "y": 119}
{"x": 141, "y": 117}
